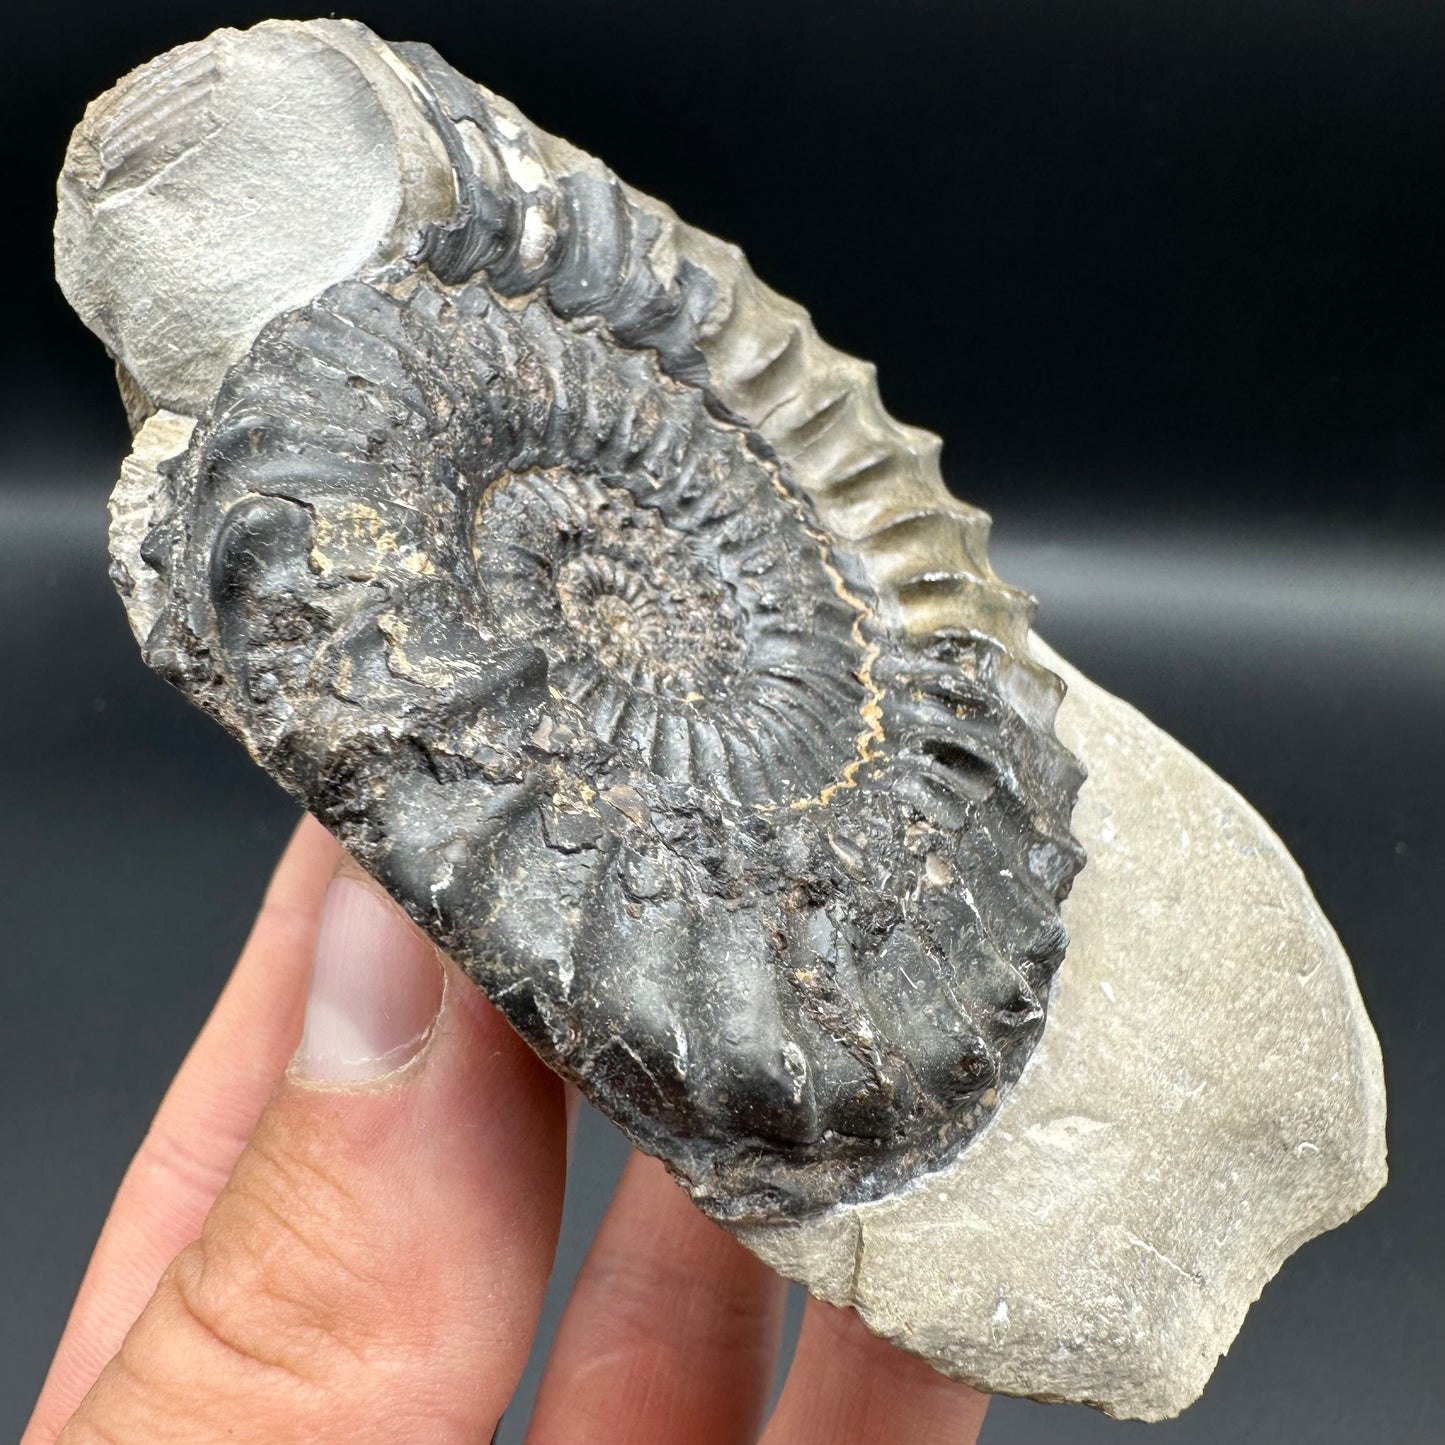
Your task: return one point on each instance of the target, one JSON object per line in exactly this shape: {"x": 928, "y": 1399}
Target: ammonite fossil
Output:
{"x": 601, "y": 611}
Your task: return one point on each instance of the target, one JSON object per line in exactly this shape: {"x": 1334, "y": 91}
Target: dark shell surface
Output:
{"x": 484, "y": 571}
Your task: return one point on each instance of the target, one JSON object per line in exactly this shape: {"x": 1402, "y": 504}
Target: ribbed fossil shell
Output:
{"x": 601, "y": 611}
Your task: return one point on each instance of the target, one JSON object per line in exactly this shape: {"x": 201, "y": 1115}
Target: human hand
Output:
{"x": 355, "y": 1247}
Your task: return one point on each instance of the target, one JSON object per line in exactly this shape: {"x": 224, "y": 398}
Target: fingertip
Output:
{"x": 848, "y": 1386}
{"x": 375, "y": 991}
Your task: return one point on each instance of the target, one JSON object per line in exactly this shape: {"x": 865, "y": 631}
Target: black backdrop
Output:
{"x": 1166, "y": 275}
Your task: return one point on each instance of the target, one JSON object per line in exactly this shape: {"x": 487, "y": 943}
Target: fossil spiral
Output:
{"x": 604, "y": 615}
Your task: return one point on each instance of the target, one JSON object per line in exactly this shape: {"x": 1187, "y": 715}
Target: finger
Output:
{"x": 374, "y": 1267}
{"x": 848, "y": 1387}
{"x": 671, "y": 1333}
{"x": 202, "y": 1124}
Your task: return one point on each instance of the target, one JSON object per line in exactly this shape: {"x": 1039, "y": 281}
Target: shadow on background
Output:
{"x": 1166, "y": 279}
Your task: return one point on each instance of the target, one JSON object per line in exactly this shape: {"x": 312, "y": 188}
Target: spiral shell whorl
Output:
{"x": 708, "y": 745}
{"x": 598, "y": 248}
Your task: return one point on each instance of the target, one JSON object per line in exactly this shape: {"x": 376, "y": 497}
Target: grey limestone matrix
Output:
{"x": 597, "y": 606}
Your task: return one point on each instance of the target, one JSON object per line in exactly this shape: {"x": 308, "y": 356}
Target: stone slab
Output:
{"x": 1207, "y": 1097}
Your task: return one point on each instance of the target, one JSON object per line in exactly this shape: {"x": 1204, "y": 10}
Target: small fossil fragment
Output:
{"x": 745, "y": 808}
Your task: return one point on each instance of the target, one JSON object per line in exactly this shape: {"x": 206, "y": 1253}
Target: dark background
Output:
{"x": 1166, "y": 275}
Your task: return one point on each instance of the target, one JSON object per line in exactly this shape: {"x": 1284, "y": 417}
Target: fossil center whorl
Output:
{"x": 631, "y": 625}
{"x": 606, "y": 586}
{"x": 686, "y": 603}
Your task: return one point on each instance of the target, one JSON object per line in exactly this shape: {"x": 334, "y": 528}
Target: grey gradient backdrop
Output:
{"x": 1169, "y": 284}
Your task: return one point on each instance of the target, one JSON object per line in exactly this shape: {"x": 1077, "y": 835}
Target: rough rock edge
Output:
{"x": 1201, "y": 1312}
{"x": 161, "y": 436}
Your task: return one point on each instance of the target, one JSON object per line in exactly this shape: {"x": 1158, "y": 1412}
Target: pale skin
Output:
{"x": 291, "y": 1261}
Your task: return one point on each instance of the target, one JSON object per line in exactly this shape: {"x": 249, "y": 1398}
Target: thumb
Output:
{"x": 374, "y": 1268}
